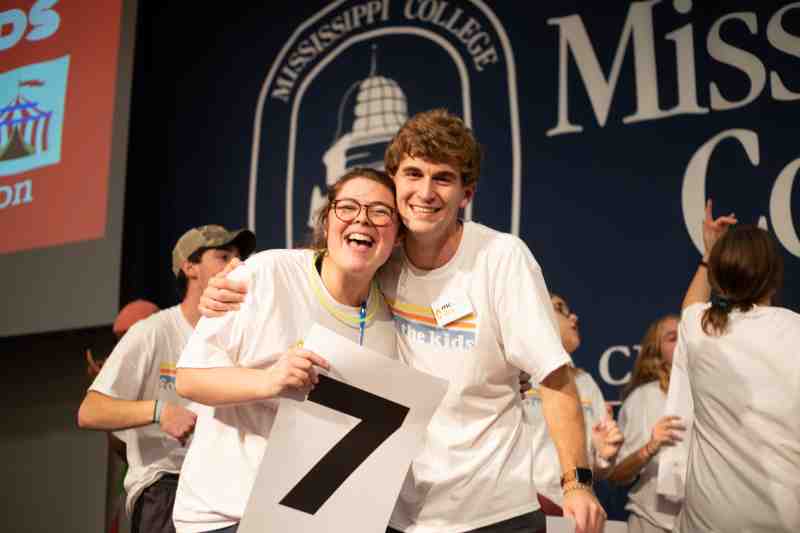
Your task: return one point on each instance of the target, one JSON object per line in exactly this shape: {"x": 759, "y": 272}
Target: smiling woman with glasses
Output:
{"x": 224, "y": 365}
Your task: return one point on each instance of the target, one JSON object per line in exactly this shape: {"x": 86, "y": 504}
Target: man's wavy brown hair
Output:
{"x": 437, "y": 136}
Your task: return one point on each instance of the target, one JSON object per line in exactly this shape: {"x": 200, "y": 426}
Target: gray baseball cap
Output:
{"x": 211, "y": 236}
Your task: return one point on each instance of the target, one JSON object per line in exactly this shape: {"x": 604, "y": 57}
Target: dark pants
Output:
{"x": 229, "y": 529}
{"x": 152, "y": 512}
{"x": 526, "y": 523}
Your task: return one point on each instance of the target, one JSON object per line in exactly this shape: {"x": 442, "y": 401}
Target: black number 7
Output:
{"x": 379, "y": 419}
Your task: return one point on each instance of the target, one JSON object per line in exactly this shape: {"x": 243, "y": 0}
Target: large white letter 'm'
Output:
{"x": 573, "y": 37}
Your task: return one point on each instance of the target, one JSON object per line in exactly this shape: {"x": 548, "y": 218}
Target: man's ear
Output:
{"x": 189, "y": 269}
{"x": 469, "y": 193}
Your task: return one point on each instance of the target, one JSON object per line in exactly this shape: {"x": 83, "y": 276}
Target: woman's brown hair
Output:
{"x": 744, "y": 267}
{"x": 319, "y": 235}
{"x": 650, "y": 365}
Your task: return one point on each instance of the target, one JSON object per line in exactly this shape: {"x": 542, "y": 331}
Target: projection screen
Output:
{"x": 65, "y": 79}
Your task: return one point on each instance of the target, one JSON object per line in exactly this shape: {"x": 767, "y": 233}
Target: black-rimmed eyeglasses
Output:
{"x": 347, "y": 210}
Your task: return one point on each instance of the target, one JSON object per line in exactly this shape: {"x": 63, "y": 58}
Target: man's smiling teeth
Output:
{"x": 422, "y": 209}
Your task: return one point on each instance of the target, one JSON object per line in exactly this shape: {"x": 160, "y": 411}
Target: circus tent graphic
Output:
{"x": 23, "y": 127}
{"x": 31, "y": 116}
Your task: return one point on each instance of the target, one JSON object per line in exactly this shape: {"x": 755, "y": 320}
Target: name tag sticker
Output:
{"x": 450, "y": 307}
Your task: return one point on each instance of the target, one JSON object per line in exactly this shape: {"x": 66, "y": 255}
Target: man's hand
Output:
{"x": 583, "y": 506}
{"x": 714, "y": 229}
{"x": 177, "y": 422}
{"x": 222, "y": 294}
{"x": 295, "y": 369}
{"x": 607, "y": 439}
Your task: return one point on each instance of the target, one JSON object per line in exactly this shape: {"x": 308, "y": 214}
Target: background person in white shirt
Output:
{"x": 646, "y": 430}
{"x": 741, "y": 355}
{"x": 135, "y": 388}
{"x": 237, "y": 365}
{"x": 604, "y": 438}
{"x": 116, "y": 463}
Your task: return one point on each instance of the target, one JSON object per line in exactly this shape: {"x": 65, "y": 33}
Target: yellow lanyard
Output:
{"x": 358, "y": 320}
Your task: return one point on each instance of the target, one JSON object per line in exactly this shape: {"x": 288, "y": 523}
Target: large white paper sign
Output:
{"x": 336, "y": 460}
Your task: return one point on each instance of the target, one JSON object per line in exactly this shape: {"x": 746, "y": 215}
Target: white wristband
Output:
{"x": 157, "y": 411}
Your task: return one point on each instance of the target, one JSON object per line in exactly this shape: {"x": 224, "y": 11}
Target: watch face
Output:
{"x": 581, "y": 475}
{"x": 584, "y": 475}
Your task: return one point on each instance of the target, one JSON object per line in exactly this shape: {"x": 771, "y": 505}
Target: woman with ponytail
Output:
{"x": 741, "y": 356}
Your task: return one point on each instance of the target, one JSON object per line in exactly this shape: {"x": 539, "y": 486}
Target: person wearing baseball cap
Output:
{"x": 135, "y": 388}
{"x": 196, "y": 256}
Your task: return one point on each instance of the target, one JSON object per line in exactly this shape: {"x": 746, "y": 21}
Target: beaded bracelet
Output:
{"x": 575, "y": 485}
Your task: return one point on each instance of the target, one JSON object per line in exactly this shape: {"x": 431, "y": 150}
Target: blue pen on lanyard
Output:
{"x": 362, "y": 319}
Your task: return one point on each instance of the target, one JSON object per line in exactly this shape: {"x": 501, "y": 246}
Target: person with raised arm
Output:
{"x": 740, "y": 352}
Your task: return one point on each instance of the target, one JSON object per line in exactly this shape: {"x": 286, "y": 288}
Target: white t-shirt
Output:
{"x": 639, "y": 413}
{"x": 142, "y": 367}
{"x": 547, "y": 469}
{"x": 744, "y": 458}
{"x": 476, "y": 467}
{"x": 285, "y": 298}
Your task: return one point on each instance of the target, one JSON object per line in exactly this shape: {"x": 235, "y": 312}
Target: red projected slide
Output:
{"x": 58, "y": 70}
